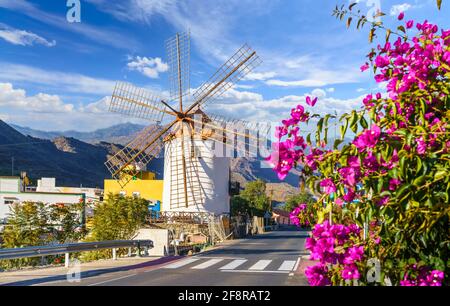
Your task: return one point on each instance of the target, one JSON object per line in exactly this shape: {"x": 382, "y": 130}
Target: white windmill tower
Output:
{"x": 195, "y": 179}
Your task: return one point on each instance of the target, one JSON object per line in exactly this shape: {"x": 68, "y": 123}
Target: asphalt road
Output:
{"x": 263, "y": 260}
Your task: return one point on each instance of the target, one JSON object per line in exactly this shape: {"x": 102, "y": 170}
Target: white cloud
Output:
{"x": 18, "y": 99}
{"x": 259, "y": 76}
{"x": 150, "y": 67}
{"x": 331, "y": 89}
{"x": 398, "y": 8}
{"x": 23, "y": 38}
{"x": 63, "y": 81}
{"x": 301, "y": 83}
{"x": 110, "y": 37}
{"x": 50, "y": 112}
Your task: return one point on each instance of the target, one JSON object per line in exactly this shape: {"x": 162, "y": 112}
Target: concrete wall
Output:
{"x": 160, "y": 238}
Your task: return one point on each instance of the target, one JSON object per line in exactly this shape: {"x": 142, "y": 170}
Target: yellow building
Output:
{"x": 143, "y": 185}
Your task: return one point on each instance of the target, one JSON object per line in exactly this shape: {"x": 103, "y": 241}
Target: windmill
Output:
{"x": 194, "y": 178}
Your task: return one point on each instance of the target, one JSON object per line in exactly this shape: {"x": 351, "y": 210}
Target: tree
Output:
{"x": 117, "y": 218}
{"x": 240, "y": 206}
{"x": 66, "y": 222}
{"x": 27, "y": 226}
{"x": 255, "y": 194}
{"x": 300, "y": 198}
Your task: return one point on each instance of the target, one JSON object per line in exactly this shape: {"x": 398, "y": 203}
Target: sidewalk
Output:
{"x": 30, "y": 276}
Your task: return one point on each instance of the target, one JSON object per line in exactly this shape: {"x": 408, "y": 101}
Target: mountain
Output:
{"x": 71, "y": 161}
{"x": 120, "y": 133}
{"x": 75, "y": 162}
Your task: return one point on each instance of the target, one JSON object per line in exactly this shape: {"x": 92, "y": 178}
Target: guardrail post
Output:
{"x": 129, "y": 252}
{"x": 67, "y": 260}
{"x": 138, "y": 249}
{"x": 114, "y": 253}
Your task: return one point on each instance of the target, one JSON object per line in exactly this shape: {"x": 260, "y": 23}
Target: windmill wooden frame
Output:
{"x": 138, "y": 102}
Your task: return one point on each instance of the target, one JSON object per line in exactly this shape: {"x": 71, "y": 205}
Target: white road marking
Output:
{"x": 234, "y": 264}
{"x": 207, "y": 264}
{"x": 297, "y": 263}
{"x": 255, "y": 271}
{"x": 287, "y": 265}
{"x": 111, "y": 280}
{"x": 260, "y": 264}
{"x": 180, "y": 263}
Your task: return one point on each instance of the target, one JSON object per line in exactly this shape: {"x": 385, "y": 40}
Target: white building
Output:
{"x": 207, "y": 177}
{"x": 48, "y": 184}
{"x": 12, "y": 192}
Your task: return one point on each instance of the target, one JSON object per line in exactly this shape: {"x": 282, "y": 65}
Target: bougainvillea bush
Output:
{"x": 384, "y": 196}
{"x": 303, "y": 215}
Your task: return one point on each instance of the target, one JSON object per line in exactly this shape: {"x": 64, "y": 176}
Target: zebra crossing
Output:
{"x": 235, "y": 264}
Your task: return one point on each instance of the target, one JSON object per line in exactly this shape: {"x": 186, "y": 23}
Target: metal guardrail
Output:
{"x": 41, "y": 251}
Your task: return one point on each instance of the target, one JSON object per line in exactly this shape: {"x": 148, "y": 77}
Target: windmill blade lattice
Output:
{"x": 137, "y": 102}
{"x": 178, "y": 56}
{"x": 235, "y": 69}
{"x": 127, "y": 163}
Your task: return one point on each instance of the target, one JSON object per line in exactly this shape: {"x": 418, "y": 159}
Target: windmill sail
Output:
{"x": 235, "y": 69}
{"x": 137, "y": 102}
{"x": 128, "y": 162}
{"x": 178, "y": 56}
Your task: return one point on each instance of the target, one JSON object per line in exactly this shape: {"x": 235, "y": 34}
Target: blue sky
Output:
{"x": 56, "y": 75}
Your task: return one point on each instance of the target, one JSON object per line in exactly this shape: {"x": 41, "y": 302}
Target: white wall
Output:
{"x": 45, "y": 198}
{"x": 9, "y": 184}
{"x": 207, "y": 176}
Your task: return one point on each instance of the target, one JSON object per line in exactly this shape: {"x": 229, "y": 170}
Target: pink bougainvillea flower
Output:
{"x": 394, "y": 183}
{"x": 297, "y": 112}
{"x": 349, "y": 196}
{"x": 368, "y": 138}
{"x": 311, "y": 102}
{"x": 280, "y": 131}
{"x": 354, "y": 254}
{"x": 409, "y": 24}
{"x": 350, "y": 272}
{"x": 353, "y": 161}
{"x": 328, "y": 186}
{"x": 348, "y": 175}
{"x": 382, "y": 61}
{"x": 401, "y": 16}
{"x": 421, "y": 146}
{"x": 339, "y": 202}
{"x": 364, "y": 67}
{"x": 317, "y": 275}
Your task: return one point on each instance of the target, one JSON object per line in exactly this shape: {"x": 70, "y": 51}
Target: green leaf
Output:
{"x": 439, "y": 3}
{"x": 363, "y": 122}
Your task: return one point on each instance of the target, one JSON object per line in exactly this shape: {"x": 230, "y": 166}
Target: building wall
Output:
{"x": 46, "y": 198}
{"x": 207, "y": 178}
{"x": 10, "y": 184}
{"x": 148, "y": 189}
